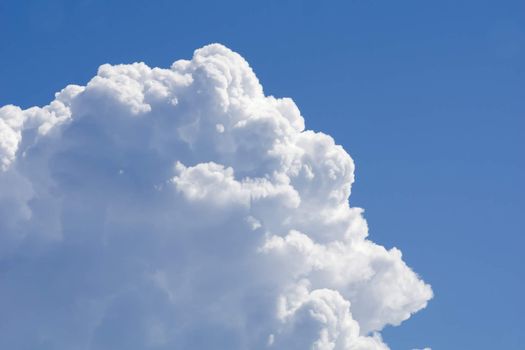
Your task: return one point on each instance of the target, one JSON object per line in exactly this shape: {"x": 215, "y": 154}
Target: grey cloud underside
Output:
{"x": 182, "y": 208}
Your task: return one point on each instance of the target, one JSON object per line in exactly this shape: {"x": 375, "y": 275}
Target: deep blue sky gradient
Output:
{"x": 427, "y": 96}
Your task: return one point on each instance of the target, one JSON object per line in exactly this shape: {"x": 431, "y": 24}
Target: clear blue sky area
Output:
{"x": 427, "y": 96}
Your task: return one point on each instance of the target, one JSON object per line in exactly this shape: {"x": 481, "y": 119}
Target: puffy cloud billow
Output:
{"x": 182, "y": 208}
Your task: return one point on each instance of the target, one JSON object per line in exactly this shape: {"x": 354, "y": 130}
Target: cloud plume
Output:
{"x": 182, "y": 208}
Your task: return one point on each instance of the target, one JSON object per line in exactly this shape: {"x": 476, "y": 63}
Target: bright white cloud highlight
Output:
{"x": 182, "y": 208}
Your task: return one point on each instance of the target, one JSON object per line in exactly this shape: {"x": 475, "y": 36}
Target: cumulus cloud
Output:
{"x": 182, "y": 208}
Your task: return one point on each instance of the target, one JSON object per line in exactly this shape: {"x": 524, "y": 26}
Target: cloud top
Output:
{"x": 182, "y": 208}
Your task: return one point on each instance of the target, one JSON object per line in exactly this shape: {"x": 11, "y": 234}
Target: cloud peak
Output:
{"x": 182, "y": 208}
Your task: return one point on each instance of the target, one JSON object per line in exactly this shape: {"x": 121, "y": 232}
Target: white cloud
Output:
{"x": 182, "y": 208}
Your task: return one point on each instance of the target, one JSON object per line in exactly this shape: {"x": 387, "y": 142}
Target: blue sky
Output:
{"x": 427, "y": 96}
